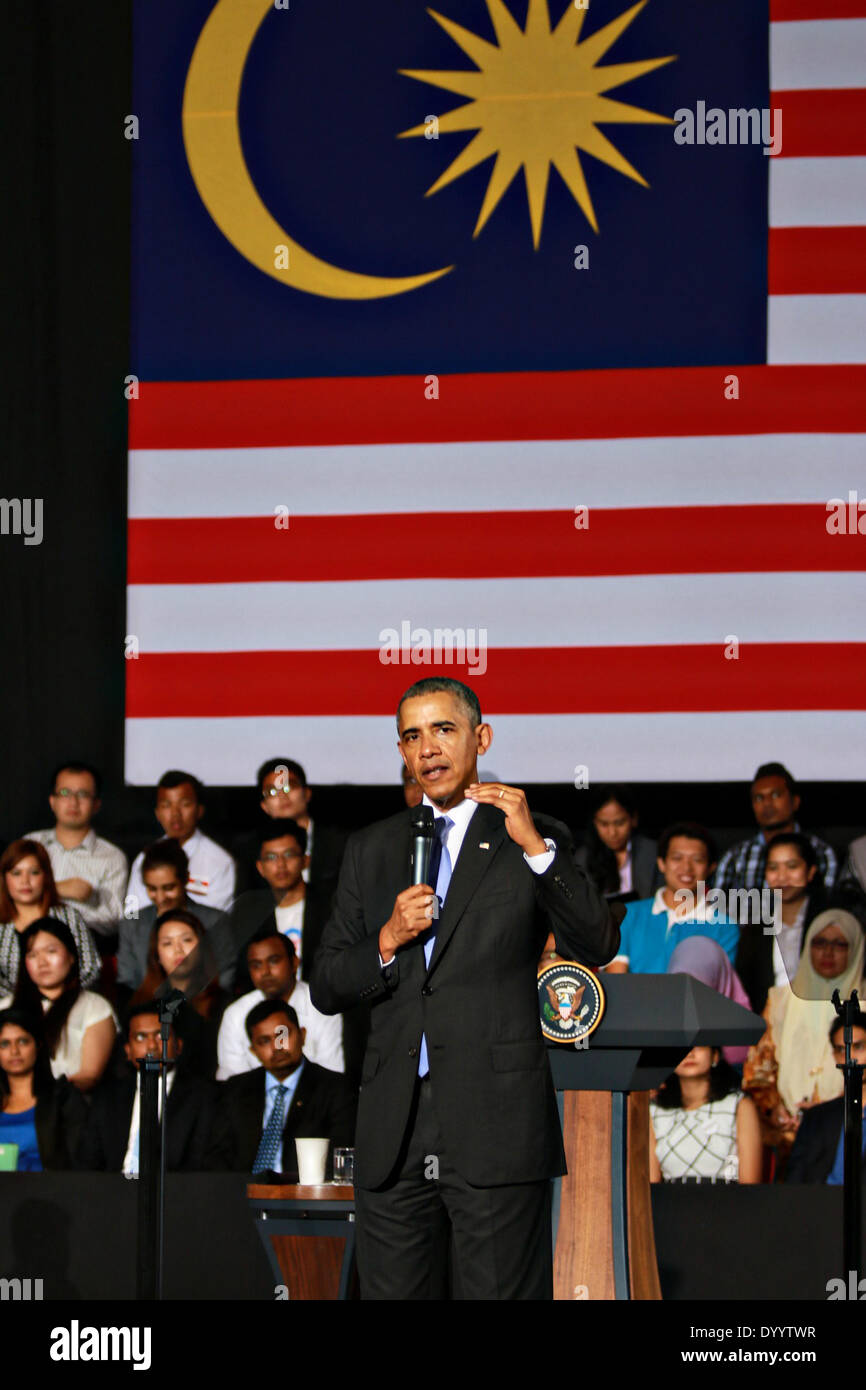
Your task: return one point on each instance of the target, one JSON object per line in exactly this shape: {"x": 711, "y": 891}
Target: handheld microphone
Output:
{"x": 422, "y": 845}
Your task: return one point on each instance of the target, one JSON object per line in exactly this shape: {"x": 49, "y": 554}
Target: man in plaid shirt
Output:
{"x": 775, "y": 803}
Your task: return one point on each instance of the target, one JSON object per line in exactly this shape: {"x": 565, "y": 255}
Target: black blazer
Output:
{"x": 188, "y": 1122}
{"x": 815, "y": 1145}
{"x": 477, "y": 1003}
{"x": 323, "y": 1105}
{"x": 754, "y": 963}
{"x": 60, "y": 1118}
{"x": 255, "y": 910}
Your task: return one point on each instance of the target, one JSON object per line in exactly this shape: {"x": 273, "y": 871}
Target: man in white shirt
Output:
{"x": 89, "y": 871}
{"x": 179, "y": 808}
{"x": 272, "y": 966}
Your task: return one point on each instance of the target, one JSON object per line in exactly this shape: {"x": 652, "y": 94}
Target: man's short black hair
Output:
{"x": 264, "y": 1010}
{"x": 166, "y": 854}
{"x": 690, "y": 830}
{"x": 133, "y": 1011}
{"x": 279, "y": 765}
{"x": 175, "y": 778}
{"x": 433, "y": 685}
{"x": 776, "y": 770}
{"x": 74, "y": 765}
{"x": 271, "y": 934}
{"x": 858, "y": 1020}
{"x": 275, "y": 828}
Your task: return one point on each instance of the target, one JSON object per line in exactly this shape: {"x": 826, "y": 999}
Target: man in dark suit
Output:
{"x": 817, "y": 1155}
{"x": 307, "y": 1100}
{"x": 458, "y": 1131}
{"x": 110, "y": 1140}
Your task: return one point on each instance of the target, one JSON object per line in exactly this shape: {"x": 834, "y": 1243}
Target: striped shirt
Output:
{"x": 743, "y": 865}
{"x": 102, "y": 864}
{"x": 90, "y": 965}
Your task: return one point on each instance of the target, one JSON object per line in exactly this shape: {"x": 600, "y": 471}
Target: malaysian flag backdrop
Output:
{"x": 593, "y": 482}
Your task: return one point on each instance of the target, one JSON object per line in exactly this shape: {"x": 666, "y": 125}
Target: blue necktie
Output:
{"x": 440, "y": 865}
{"x": 271, "y": 1141}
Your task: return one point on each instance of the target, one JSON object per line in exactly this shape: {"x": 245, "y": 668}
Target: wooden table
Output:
{"x": 309, "y": 1237}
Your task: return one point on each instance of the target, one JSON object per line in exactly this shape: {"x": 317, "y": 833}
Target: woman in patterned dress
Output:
{"x": 702, "y": 1127}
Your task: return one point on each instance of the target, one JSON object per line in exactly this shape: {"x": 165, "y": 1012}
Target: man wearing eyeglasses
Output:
{"x": 89, "y": 871}
{"x": 284, "y": 794}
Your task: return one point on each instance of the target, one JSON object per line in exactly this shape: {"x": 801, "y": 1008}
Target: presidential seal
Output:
{"x": 570, "y": 1001}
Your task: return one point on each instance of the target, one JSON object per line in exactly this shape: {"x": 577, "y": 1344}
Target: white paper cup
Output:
{"x": 312, "y": 1161}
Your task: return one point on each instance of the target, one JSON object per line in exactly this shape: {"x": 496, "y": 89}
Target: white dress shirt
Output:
{"x": 211, "y": 875}
{"x": 104, "y": 867}
{"x": 323, "y": 1045}
{"x": 130, "y": 1167}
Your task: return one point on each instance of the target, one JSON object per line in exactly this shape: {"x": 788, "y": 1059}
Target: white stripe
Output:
{"x": 812, "y": 192}
{"x": 367, "y": 480}
{"x": 813, "y": 328}
{"x": 724, "y": 747}
{"x": 808, "y": 54}
{"x": 654, "y": 609}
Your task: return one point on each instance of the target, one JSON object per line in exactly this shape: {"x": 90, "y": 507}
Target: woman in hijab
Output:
{"x": 793, "y": 1066}
{"x": 704, "y": 959}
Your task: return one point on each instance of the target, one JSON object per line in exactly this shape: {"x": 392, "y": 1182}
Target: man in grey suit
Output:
{"x": 458, "y": 1133}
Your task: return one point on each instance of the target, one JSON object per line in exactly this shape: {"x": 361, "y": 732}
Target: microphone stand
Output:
{"x": 151, "y": 1157}
{"x": 852, "y": 1073}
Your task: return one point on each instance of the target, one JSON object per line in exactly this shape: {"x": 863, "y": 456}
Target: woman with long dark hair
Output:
{"x": 702, "y": 1126}
{"x": 41, "y": 1115}
{"x": 80, "y": 1026}
{"x": 617, "y": 859}
{"x": 28, "y": 892}
{"x": 181, "y": 957}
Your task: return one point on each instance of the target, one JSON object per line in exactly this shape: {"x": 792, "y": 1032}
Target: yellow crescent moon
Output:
{"x": 213, "y": 149}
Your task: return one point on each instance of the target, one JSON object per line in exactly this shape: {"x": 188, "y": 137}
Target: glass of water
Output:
{"x": 344, "y": 1166}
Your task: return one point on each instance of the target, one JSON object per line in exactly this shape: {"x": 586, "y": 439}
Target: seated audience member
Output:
{"x": 180, "y": 957}
{"x": 272, "y": 966}
{"x": 851, "y": 892}
{"x": 283, "y": 794}
{"x": 41, "y": 1114}
{"x": 89, "y": 871}
{"x": 702, "y": 1127}
{"x": 285, "y": 1097}
{"x": 652, "y": 927}
{"x": 705, "y": 960}
{"x": 80, "y": 1027}
{"x": 27, "y": 893}
{"x": 616, "y": 858}
{"x": 283, "y": 902}
{"x": 774, "y": 803}
{"x": 111, "y": 1137}
{"x": 179, "y": 808}
{"x": 164, "y": 873}
{"x": 412, "y": 792}
{"x": 793, "y": 1065}
{"x": 766, "y": 958}
{"x": 818, "y": 1154}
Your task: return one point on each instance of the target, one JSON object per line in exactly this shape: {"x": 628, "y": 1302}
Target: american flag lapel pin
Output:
{"x": 485, "y": 844}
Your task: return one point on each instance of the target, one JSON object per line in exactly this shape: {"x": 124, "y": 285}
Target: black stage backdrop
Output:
{"x": 65, "y": 82}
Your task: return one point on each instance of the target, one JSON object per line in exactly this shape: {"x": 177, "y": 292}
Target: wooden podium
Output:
{"x": 309, "y": 1237}
{"x": 604, "y": 1246}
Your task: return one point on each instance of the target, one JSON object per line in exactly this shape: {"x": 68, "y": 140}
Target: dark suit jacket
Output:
{"x": 754, "y": 964}
{"x": 255, "y": 910}
{"x": 323, "y": 1106}
{"x": 477, "y": 1003}
{"x": 188, "y": 1122}
{"x": 645, "y": 876}
{"x": 816, "y": 1143}
{"x": 60, "y": 1118}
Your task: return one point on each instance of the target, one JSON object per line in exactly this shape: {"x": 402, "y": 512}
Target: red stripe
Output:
{"x": 817, "y": 260}
{"x": 556, "y": 680}
{"x": 512, "y": 405}
{"x": 783, "y": 10}
{"x": 478, "y": 545}
{"x": 831, "y": 121}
